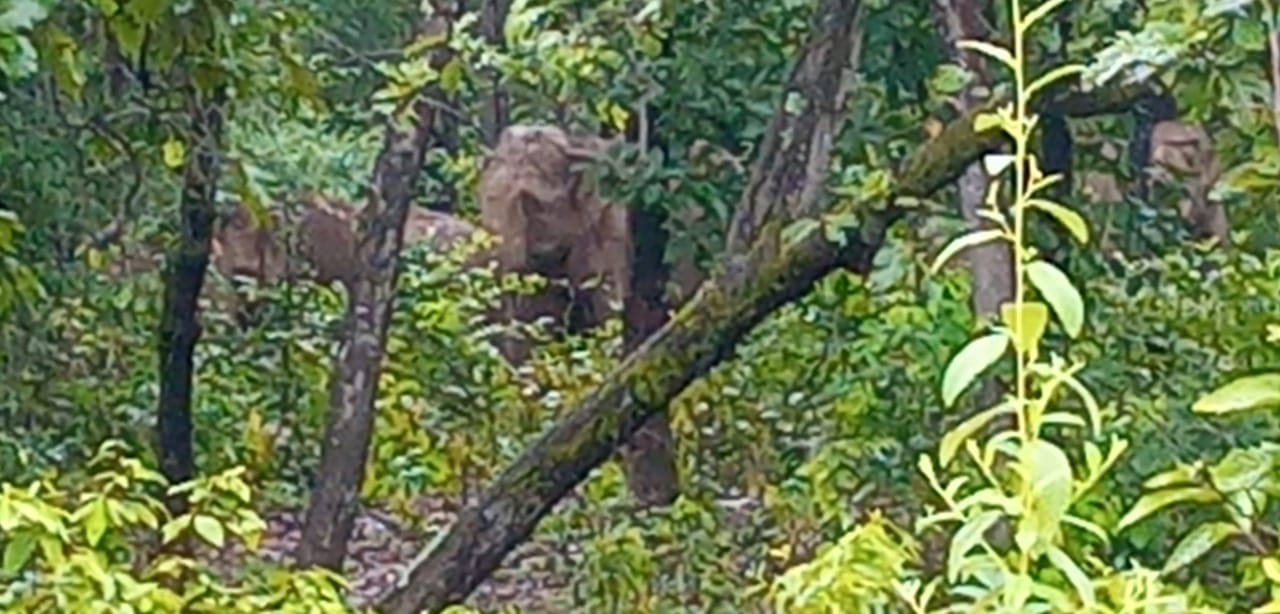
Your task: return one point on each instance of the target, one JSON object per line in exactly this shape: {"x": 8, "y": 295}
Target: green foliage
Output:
{"x": 798, "y": 458}
{"x": 76, "y": 552}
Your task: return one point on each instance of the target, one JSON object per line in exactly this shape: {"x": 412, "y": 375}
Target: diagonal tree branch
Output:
{"x": 739, "y": 295}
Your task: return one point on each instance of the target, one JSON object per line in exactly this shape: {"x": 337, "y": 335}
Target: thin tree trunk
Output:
{"x": 184, "y": 275}
{"x": 1274, "y": 42}
{"x": 990, "y": 264}
{"x": 704, "y": 333}
{"x": 353, "y": 388}
{"x": 496, "y": 114}
{"x": 650, "y": 456}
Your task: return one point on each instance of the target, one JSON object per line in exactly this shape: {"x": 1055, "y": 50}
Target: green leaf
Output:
{"x": 1038, "y": 13}
{"x": 962, "y": 432}
{"x": 21, "y": 15}
{"x": 1029, "y": 328}
{"x": 1056, "y": 74}
{"x": 174, "y": 153}
{"x": 974, "y": 358}
{"x": 1073, "y": 222}
{"x": 996, "y": 163}
{"x": 1151, "y": 502}
{"x": 18, "y": 552}
{"x": 209, "y": 529}
{"x": 95, "y": 522}
{"x": 950, "y": 78}
{"x": 976, "y": 237}
{"x": 1241, "y": 469}
{"x": 798, "y": 230}
{"x": 1049, "y": 471}
{"x": 1180, "y": 475}
{"x": 1076, "y": 576}
{"x": 1199, "y": 541}
{"x": 1243, "y": 394}
{"x": 1062, "y": 296}
{"x": 966, "y": 538}
{"x": 1000, "y": 54}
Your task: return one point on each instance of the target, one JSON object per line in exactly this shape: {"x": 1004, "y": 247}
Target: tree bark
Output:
{"x": 789, "y": 173}
{"x": 493, "y": 18}
{"x": 1273, "y": 42}
{"x": 649, "y": 457}
{"x": 704, "y": 333}
{"x": 184, "y": 274}
{"x": 353, "y": 388}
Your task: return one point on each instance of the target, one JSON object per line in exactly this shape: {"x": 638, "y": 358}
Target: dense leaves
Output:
{"x": 835, "y": 463}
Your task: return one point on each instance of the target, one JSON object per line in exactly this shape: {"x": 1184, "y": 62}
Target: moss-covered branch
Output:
{"x": 737, "y": 298}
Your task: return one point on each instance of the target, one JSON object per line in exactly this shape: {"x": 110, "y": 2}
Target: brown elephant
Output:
{"x": 549, "y": 220}
{"x": 322, "y": 245}
{"x": 1182, "y": 154}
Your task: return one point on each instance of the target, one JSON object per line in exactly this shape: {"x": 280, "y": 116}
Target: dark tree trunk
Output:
{"x": 649, "y": 456}
{"x": 702, "y": 335}
{"x": 353, "y": 386}
{"x": 184, "y": 275}
{"x": 1056, "y": 145}
{"x": 497, "y": 114}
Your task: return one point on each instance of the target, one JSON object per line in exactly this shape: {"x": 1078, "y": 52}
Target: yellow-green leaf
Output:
{"x": 451, "y": 75}
{"x": 1199, "y": 541}
{"x": 1061, "y": 295}
{"x": 95, "y": 521}
{"x": 1077, "y": 577}
{"x": 1242, "y": 394}
{"x": 1241, "y": 469}
{"x": 976, "y": 237}
{"x": 974, "y": 358}
{"x": 1271, "y": 568}
{"x": 1182, "y": 474}
{"x": 966, "y": 538}
{"x": 1049, "y": 471}
{"x": 1071, "y": 220}
{"x": 962, "y": 432}
{"x": 1000, "y": 54}
{"x": 1270, "y": 607}
{"x": 1029, "y": 329}
{"x": 1151, "y": 502}
{"x": 1038, "y": 13}
{"x": 209, "y": 529}
{"x": 174, "y": 153}
{"x": 986, "y": 121}
{"x": 1056, "y": 74}
{"x": 17, "y": 552}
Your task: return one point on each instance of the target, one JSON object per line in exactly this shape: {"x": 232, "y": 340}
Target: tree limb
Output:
{"x": 738, "y": 296}
{"x": 353, "y": 384}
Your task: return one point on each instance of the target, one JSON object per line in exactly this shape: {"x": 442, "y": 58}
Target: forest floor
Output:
{"x": 534, "y": 579}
